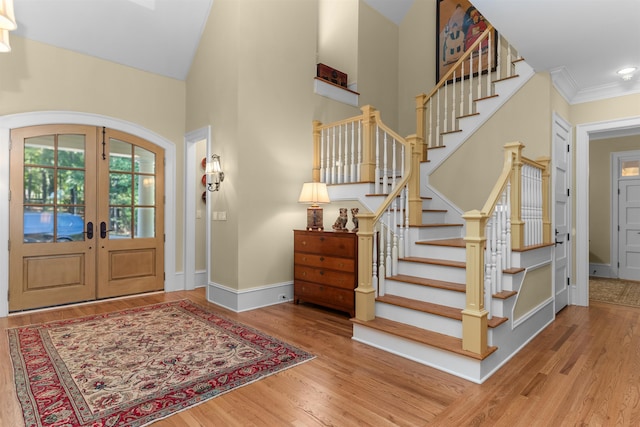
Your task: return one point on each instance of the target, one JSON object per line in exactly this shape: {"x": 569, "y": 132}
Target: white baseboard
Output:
{"x": 200, "y": 279}
{"x": 176, "y": 283}
{"x": 249, "y": 299}
{"x": 601, "y": 270}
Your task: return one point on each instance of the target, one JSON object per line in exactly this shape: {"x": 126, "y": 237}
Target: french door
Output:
{"x": 86, "y": 215}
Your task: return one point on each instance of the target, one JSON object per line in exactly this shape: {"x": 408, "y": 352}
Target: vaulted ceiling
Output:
{"x": 582, "y": 43}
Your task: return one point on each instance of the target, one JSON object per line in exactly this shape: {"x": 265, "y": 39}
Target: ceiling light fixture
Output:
{"x": 627, "y": 72}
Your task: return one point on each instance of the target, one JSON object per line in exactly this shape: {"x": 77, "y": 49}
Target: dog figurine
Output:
{"x": 341, "y": 221}
{"x": 354, "y": 218}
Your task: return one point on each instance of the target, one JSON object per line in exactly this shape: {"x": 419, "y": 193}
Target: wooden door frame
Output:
{"x": 191, "y": 175}
{"x": 172, "y": 281}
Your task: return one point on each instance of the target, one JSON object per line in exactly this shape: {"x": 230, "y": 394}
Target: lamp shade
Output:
{"x": 314, "y": 193}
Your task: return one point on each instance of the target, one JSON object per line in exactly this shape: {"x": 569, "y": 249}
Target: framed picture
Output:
{"x": 458, "y": 26}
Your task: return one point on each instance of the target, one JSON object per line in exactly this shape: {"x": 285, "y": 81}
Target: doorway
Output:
{"x": 584, "y": 133}
{"x": 90, "y": 222}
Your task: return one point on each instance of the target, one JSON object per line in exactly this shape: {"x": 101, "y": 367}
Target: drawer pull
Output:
{"x": 322, "y": 239}
{"x": 321, "y": 273}
{"x": 321, "y": 258}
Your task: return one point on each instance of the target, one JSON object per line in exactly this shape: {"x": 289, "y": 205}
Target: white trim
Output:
{"x": 568, "y": 88}
{"x": 337, "y": 93}
{"x": 249, "y": 299}
{"x": 189, "y": 229}
{"x": 8, "y": 122}
{"x": 584, "y": 132}
{"x": 601, "y": 270}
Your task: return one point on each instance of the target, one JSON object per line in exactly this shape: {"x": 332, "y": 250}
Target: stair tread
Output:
{"x": 434, "y": 210}
{"x": 430, "y": 338}
{"x": 436, "y": 261}
{"x": 435, "y": 225}
{"x": 456, "y": 243}
{"x": 440, "y": 284}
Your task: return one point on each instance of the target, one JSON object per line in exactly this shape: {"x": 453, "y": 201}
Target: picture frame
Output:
{"x": 458, "y": 25}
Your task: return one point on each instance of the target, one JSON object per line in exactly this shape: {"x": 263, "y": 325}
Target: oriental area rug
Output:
{"x": 136, "y": 366}
{"x": 614, "y": 291}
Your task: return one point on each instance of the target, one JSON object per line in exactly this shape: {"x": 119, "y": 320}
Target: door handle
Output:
{"x": 558, "y": 243}
{"x": 103, "y": 230}
{"x": 89, "y": 231}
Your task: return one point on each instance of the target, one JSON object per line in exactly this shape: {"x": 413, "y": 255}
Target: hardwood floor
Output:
{"x": 584, "y": 370}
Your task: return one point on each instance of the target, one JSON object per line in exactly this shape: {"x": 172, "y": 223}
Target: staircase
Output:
{"x": 421, "y": 297}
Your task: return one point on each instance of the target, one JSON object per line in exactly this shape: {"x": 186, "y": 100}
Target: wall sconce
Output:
{"x": 314, "y": 193}
{"x": 214, "y": 172}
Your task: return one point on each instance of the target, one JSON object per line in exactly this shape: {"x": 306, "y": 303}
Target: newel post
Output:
{"x": 474, "y": 316}
{"x": 415, "y": 202}
{"x": 514, "y": 150}
{"x": 365, "y": 293}
{"x": 368, "y": 168}
{"x": 546, "y": 199}
{"x": 316, "y": 151}
{"x": 421, "y": 125}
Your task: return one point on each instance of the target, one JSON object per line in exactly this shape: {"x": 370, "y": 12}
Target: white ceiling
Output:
{"x": 582, "y": 43}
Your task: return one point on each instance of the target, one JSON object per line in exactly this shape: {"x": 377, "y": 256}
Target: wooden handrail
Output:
{"x": 470, "y": 50}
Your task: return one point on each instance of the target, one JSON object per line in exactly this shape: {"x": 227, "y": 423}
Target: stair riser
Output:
{"x": 532, "y": 257}
{"x": 439, "y": 252}
{"x": 431, "y": 271}
{"x": 428, "y": 321}
{"x": 435, "y": 233}
{"x": 503, "y": 307}
{"x": 426, "y": 293}
{"x": 433, "y": 217}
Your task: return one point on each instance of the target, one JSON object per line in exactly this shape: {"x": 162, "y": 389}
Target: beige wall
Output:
{"x": 600, "y": 200}
{"x": 338, "y": 36}
{"x": 252, "y": 81}
{"x": 417, "y": 54}
{"x": 526, "y": 117}
{"x": 38, "y": 77}
{"x": 378, "y": 62}
{"x": 606, "y": 109}
{"x": 535, "y": 290}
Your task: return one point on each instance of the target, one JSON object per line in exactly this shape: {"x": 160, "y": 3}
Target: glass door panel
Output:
{"x": 53, "y": 185}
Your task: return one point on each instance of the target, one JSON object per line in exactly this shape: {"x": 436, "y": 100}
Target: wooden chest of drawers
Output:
{"x": 325, "y": 268}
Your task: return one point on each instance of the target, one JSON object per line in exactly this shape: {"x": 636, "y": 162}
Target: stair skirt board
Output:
{"x": 509, "y": 343}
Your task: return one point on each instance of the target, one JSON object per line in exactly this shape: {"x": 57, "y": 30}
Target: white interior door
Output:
{"x": 629, "y": 224}
{"x": 561, "y": 212}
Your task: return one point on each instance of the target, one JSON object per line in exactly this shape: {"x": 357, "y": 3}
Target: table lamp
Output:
{"x": 314, "y": 193}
